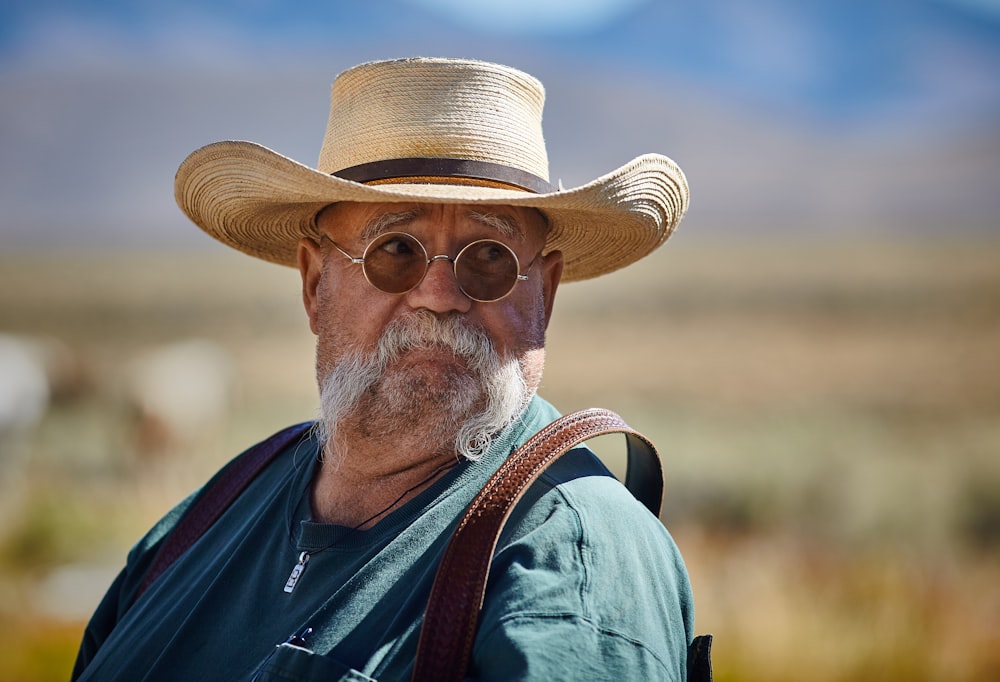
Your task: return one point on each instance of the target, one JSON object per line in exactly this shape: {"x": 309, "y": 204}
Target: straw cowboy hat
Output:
{"x": 438, "y": 131}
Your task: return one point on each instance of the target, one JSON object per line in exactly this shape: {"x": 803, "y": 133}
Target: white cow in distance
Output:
{"x": 178, "y": 393}
{"x": 24, "y": 400}
{"x": 24, "y": 394}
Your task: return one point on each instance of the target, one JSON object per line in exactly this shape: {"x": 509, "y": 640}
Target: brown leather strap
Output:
{"x": 449, "y": 628}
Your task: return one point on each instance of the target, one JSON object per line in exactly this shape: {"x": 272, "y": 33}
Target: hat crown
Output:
{"x": 435, "y": 108}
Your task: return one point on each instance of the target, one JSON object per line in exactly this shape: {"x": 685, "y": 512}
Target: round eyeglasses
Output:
{"x": 396, "y": 262}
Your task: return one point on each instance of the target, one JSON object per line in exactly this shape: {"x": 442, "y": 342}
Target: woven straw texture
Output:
{"x": 261, "y": 202}
{"x": 418, "y": 109}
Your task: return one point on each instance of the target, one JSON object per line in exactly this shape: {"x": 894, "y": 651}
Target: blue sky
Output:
{"x": 840, "y": 58}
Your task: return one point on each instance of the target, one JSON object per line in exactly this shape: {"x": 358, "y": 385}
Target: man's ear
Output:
{"x": 552, "y": 267}
{"x": 310, "y": 258}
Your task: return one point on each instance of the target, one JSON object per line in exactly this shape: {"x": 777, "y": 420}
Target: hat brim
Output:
{"x": 260, "y": 202}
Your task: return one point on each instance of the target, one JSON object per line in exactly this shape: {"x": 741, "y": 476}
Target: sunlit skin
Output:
{"x": 380, "y": 459}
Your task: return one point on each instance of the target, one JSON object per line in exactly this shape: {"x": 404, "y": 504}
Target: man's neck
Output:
{"x": 361, "y": 480}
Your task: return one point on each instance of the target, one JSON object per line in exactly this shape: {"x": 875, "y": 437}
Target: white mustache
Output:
{"x": 423, "y": 330}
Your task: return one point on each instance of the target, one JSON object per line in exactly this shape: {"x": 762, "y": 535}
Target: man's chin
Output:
{"x": 433, "y": 380}
{"x": 430, "y": 367}
{"x": 434, "y": 358}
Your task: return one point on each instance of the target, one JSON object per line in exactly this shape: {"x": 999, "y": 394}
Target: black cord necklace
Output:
{"x": 300, "y": 566}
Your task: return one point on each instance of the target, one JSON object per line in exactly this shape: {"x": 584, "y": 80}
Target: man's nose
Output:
{"x": 439, "y": 291}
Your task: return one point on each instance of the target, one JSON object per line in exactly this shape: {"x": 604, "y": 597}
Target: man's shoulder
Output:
{"x": 584, "y": 485}
{"x": 579, "y": 479}
{"x": 576, "y": 550}
{"x": 578, "y": 500}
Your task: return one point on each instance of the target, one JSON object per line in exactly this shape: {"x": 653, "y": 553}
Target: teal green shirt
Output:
{"x": 585, "y": 584}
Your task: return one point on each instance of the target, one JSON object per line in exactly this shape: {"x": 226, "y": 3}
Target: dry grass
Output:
{"x": 828, "y": 413}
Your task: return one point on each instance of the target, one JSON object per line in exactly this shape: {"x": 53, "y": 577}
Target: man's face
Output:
{"x": 350, "y": 316}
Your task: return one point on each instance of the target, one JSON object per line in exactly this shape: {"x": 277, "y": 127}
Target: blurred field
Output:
{"x": 828, "y": 412}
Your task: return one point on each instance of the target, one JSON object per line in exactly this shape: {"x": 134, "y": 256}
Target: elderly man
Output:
{"x": 430, "y": 245}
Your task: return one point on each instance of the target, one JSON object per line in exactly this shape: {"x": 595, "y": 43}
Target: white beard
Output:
{"x": 464, "y": 408}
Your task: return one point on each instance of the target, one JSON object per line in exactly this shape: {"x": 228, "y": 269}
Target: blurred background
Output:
{"x": 815, "y": 351}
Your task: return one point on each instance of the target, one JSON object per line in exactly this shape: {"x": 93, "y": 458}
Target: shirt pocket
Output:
{"x": 291, "y": 663}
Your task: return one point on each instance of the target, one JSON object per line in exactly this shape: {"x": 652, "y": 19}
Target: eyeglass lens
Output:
{"x": 396, "y": 262}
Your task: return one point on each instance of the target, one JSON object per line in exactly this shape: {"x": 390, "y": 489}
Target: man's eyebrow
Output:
{"x": 504, "y": 224}
{"x": 387, "y": 222}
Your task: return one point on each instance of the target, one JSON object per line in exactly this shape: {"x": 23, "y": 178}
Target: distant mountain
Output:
{"x": 827, "y": 117}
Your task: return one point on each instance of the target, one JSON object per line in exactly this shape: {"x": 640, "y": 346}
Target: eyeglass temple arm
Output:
{"x": 524, "y": 278}
{"x": 356, "y": 261}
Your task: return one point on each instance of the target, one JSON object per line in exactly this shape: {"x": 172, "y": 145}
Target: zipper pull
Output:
{"x": 293, "y": 579}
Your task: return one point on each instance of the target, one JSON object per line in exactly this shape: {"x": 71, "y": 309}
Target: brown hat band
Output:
{"x": 440, "y": 167}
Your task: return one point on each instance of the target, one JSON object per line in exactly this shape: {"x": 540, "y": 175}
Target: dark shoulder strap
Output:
{"x": 700, "y": 659}
{"x": 217, "y": 496}
{"x": 449, "y": 628}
